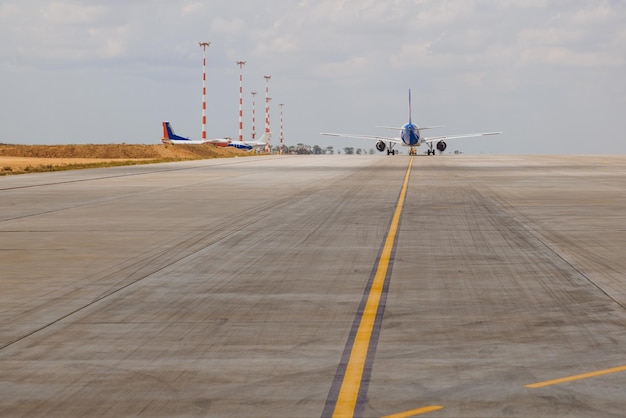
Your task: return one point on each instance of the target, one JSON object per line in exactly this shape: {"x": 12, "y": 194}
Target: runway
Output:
{"x": 279, "y": 286}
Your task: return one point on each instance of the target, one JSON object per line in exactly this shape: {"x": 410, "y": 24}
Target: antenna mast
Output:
{"x": 204, "y": 45}
{"x": 241, "y": 64}
{"x": 253, "y": 121}
{"x": 268, "y": 148}
{"x": 281, "y": 127}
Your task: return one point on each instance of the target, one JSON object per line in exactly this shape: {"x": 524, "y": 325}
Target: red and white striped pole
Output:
{"x": 281, "y": 127}
{"x": 253, "y": 121}
{"x": 241, "y": 64}
{"x": 204, "y": 46}
{"x": 268, "y": 147}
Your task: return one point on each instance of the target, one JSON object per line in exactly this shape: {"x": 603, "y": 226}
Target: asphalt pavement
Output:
{"x": 310, "y": 286}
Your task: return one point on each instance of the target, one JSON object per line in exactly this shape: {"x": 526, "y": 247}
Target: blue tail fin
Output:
{"x": 168, "y": 133}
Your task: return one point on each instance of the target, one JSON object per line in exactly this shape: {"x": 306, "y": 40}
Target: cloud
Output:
{"x": 193, "y": 9}
{"x": 584, "y": 37}
{"x": 462, "y": 58}
{"x": 228, "y": 27}
{"x": 66, "y": 13}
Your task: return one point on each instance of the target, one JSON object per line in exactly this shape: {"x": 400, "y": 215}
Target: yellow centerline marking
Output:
{"x": 576, "y": 377}
{"x": 348, "y": 393}
{"x": 415, "y": 412}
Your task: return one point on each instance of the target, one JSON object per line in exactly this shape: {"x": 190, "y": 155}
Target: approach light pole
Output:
{"x": 253, "y": 121}
{"x": 281, "y": 128}
{"x": 241, "y": 64}
{"x": 268, "y": 147}
{"x": 204, "y": 46}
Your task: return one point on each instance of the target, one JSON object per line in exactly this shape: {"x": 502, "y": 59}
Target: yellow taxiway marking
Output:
{"x": 349, "y": 391}
{"x": 576, "y": 377}
{"x": 415, "y": 412}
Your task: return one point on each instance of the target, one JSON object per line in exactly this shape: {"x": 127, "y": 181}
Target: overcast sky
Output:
{"x": 549, "y": 73}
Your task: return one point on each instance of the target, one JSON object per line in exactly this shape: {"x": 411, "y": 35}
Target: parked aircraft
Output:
{"x": 249, "y": 145}
{"x": 169, "y": 137}
{"x": 411, "y": 136}
{"x": 262, "y": 143}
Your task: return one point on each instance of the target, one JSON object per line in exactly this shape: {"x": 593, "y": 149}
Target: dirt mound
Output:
{"x": 15, "y": 159}
{"x": 119, "y": 151}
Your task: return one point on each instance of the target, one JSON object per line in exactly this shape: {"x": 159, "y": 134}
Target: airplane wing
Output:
{"x": 444, "y": 137}
{"x": 378, "y": 138}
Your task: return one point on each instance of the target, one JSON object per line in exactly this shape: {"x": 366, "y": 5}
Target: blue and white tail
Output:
{"x": 168, "y": 134}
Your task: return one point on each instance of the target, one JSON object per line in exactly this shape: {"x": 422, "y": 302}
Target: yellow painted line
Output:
{"x": 576, "y": 377}
{"x": 348, "y": 393}
{"x": 414, "y": 412}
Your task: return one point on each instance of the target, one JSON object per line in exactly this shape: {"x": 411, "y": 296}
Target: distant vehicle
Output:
{"x": 410, "y": 136}
{"x": 169, "y": 137}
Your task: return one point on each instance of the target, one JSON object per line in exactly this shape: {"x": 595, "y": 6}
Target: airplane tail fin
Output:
{"x": 167, "y": 131}
{"x": 266, "y": 137}
{"x": 168, "y": 134}
{"x": 409, "y": 105}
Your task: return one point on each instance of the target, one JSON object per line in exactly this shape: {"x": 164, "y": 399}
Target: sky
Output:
{"x": 548, "y": 73}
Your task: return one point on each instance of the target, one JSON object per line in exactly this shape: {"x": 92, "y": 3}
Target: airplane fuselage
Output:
{"x": 410, "y": 135}
{"x": 182, "y": 141}
{"x": 240, "y": 145}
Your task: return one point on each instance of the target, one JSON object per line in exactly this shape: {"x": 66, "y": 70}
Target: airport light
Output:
{"x": 204, "y": 46}
{"x": 253, "y": 121}
{"x": 241, "y": 64}
{"x": 281, "y": 128}
{"x": 268, "y": 148}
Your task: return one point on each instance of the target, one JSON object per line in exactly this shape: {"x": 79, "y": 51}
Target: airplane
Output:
{"x": 250, "y": 145}
{"x": 262, "y": 143}
{"x": 169, "y": 137}
{"x": 411, "y": 136}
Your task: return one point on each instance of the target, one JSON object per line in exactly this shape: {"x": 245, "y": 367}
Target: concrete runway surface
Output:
{"x": 280, "y": 287}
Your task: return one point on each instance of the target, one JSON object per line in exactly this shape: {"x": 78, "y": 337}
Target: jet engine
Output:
{"x": 380, "y": 146}
{"x": 441, "y": 146}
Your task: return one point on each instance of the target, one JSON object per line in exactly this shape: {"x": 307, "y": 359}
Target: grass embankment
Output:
{"x": 18, "y": 159}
